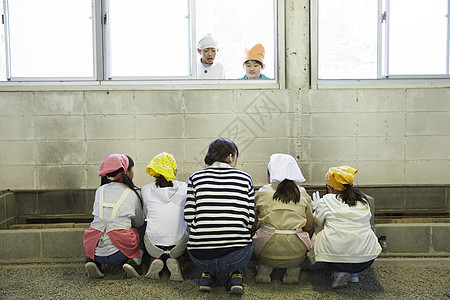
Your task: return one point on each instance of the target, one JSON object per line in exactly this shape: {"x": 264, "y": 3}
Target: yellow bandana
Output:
{"x": 338, "y": 176}
{"x": 162, "y": 164}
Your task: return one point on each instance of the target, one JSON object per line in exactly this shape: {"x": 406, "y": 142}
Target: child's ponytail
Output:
{"x": 351, "y": 194}
{"x": 129, "y": 182}
{"x": 287, "y": 191}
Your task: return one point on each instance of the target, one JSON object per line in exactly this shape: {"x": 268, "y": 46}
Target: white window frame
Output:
{"x": 159, "y": 83}
{"x": 411, "y": 81}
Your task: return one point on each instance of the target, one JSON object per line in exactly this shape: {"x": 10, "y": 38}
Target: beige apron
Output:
{"x": 264, "y": 233}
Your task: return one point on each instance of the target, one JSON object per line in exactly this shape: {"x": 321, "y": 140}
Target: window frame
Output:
{"x": 157, "y": 83}
{"x": 383, "y": 81}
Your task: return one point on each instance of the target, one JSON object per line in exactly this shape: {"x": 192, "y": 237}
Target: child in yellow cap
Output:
{"x": 343, "y": 239}
{"x": 254, "y": 62}
{"x": 165, "y": 236}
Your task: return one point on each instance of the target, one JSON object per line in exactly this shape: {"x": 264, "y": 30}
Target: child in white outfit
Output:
{"x": 208, "y": 68}
{"x": 165, "y": 237}
{"x": 343, "y": 239}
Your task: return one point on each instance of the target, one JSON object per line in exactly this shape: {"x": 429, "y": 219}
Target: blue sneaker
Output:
{"x": 235, "y": 284}
{"x": 354, "y": 277}
{"x": 206, "y": 282}
{"x": 340, "y": 279}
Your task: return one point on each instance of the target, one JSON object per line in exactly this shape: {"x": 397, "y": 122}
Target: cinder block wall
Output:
{"x": 55, "y": 140}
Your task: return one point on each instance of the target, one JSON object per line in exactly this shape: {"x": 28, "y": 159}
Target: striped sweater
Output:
{"x": 219, "y": 209}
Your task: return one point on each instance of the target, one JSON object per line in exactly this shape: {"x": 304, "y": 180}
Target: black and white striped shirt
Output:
{"x": 219, "y": 208}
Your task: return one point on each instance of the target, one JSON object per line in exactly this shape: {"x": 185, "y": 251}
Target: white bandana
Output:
{"x": 284, "y": 166}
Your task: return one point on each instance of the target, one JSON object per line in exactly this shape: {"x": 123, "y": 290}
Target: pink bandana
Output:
{"x": 113, "y": 162}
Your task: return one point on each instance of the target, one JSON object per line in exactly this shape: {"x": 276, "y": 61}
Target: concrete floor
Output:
{"x": 388, "y": 278}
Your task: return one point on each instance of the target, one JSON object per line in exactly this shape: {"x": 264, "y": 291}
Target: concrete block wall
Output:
{"x": 35, "y": 245}
{"x": 57, "y": 140}
{"x": 42, "y": 245}
{"x": 8, "y": 213}
{"x": 415, "y": 239}
{"x": 73, "y": 205}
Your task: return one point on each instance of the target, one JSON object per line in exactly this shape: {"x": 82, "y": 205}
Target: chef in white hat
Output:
{"x": 207, "y": 68}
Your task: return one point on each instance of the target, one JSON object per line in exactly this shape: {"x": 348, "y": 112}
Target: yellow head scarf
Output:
{"x": 338, "y": 176}
{"x": 162, "y": 164}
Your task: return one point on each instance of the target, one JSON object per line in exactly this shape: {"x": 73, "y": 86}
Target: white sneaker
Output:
{"x": 130, "y": 269}
{"x": 155, "y": 267}
{"x": 138, "y": 260}
{"x": 93, "y": 271}
{"x": 263, "y": 274}
{"x": 340, "y": 279}
{"x": 291, "y": 275}
{"x": 354, "y": 277}
{"x": 174, "y": 268}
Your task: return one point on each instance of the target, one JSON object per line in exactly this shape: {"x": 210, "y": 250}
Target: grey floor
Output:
{"x": 388, "y": 278}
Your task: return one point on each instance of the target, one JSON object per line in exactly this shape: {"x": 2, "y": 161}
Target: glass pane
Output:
{"x": 418, "y": 37}
{"x": 347, "y": 39}
{"x": 51, "y": 38}
{"x": 2, "y": 49}
{"x": 236, "y": 25}
{"x": 149, "y": 38}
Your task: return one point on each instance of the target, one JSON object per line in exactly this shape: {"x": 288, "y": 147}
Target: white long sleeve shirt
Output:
{"x": 346, "y": 236}
{"x": 164, "y": 210}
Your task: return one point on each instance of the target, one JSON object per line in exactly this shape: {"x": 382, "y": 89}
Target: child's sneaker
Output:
{"x": 291, "y": 275}
{"x": 138, "y": 260}
{"x": 263, "y": 274}
{"x": 131, "y": 269}
{"x": 235, "y": 284}
{"x": 354, "y": 277}
{"x": 340, "y": 279}
{"x": 206, "y": 282}
{"x": 174, "y": 268}
{"x": 93, "y": 270}
{"x": 155, "y": 267}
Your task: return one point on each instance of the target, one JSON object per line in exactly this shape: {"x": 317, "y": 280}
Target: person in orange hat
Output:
{"x": 254, "y": 62}
{"x": 343, "y": 239}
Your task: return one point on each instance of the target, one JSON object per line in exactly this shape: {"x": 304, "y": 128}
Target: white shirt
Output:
{"x": 164, "y": 210}
{"x": 346, "y": 236}
{"x": 214, "y": 71}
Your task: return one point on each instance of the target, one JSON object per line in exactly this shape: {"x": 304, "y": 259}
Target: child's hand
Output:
{"x": 316, "y": 199}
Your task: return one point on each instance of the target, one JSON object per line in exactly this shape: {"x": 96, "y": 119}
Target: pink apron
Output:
{"x": 126, "y": 240}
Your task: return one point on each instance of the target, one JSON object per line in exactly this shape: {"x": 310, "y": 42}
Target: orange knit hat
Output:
{"x": 255, "y": 53}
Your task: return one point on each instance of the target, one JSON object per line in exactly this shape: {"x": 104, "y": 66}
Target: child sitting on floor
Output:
{"x": 283, "y": 217}
{"x": 113, "y": 237}
{"x": 165, "y": 237}
{"x": 343, "y": 239}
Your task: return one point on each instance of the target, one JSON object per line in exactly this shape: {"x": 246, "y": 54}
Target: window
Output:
{"x": 381, "y": 39}
{"x": 116, "y": 40}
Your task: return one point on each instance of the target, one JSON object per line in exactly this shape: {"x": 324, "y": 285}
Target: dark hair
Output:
{"x": 350, "y": 195}
{"x": 162, "y": 182}
{"x": 219, "y": 150}
{"x": 126, "y": 180}
{"x": 287, "y": 191}
{"x": 256, "y": 61}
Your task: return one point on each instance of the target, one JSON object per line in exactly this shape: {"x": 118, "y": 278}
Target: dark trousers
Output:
{"x": 348, "y": 267}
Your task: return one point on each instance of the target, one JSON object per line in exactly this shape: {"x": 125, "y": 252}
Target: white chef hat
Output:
{"x": 207, "y": 41}
{"x": 284, "y": 166}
